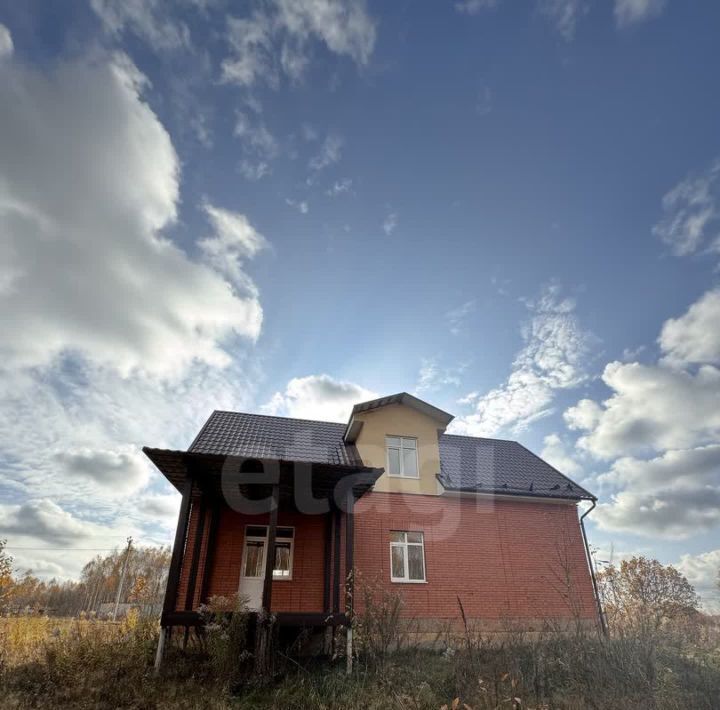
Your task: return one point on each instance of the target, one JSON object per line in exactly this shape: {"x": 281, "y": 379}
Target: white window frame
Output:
{"x": 406, "y": 579}
{"x": 400, "y": 450}
{"x": 257, "y": 538}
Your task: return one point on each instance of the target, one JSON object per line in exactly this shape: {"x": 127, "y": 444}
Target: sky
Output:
{"x": 509, "y": 209}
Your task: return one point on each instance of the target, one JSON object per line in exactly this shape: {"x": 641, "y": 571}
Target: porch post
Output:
{"x": 210, "y": 555}
{"x": 265, "y": 628}
{"x": 349, "y": 575}
{"x": 178, "y": 548}
{"x": 336, "y": 562}
{"x": 176, "y": 559}
{"x": 327, "y": 562}
{"x": 270, "y": 555}
{"x": 197, "y": 548}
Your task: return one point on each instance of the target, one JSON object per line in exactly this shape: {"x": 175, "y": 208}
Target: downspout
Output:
{"x": 591, "y": 566}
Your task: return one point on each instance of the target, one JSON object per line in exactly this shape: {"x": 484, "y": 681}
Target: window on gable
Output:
{"x": 407, "y": 556}
{"x": 402, "y": 459}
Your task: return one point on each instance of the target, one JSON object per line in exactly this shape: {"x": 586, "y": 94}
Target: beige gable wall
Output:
{"x": 401, "y": 420}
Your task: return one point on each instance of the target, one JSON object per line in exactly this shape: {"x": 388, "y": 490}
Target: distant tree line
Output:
{"x": 143, "y": 584}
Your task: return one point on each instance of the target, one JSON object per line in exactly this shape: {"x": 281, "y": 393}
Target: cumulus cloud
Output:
{"x": 660, "y": 428}
{"x": 667, "y": 513}
{"x": 691, "y": 219}
{"x": 651, "y": 408}
{"x": 122, "y": 471}
{"x": 6, "y": 42}
{"x": 318, "y": 397}
{"x": 555, "y": 452}
{"x": 695, "y": 336}
{"x": 564, "y": 15}
{"x": 702, "y": 572}
{"x": 84, "y": 265}
{"x": 234, "y": 240}
{"x": 274, "y": 41}
{"x": 553, "y": 358}
{"x": 630, "y": 12}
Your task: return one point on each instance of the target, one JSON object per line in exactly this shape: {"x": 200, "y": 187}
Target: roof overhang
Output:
{"x": 569, "y": 494}
{"x": 354, "y": 425}
{"x": 208, "y": 469}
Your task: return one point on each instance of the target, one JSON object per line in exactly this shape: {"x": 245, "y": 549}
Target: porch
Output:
{"x": 279, "y": 533}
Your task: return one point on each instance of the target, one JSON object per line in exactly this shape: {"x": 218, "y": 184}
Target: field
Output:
{"x": 65, "y": 663}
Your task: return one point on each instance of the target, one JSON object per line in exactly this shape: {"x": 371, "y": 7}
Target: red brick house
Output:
{"x": 283, "y": 510}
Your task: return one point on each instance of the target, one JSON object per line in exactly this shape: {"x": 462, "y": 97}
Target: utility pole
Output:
{"x": 122, "y": 577}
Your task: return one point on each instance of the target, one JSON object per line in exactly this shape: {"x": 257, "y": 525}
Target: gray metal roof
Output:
{"x": 469, "y": 463}
{"x": 466, "y": 463}
{"x": 265, "y": 437}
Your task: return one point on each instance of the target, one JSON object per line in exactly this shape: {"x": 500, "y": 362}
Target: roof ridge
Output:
{"x": 277, "y": 416}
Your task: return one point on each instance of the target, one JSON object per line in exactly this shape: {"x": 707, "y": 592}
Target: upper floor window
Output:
{"x": 402, "y": 459}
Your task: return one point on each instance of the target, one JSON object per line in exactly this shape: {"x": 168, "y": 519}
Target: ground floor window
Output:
{"x": 407, "y": 556}
{"x": 255, "y": 547}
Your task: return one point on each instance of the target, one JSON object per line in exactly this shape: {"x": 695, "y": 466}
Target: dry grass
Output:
{"x": 90, "y": 664}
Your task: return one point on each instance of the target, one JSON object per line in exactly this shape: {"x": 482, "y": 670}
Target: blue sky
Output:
{"x": 510, "y": 209}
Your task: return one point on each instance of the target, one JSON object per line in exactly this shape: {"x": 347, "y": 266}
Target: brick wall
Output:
{"x": 505, "y": 559}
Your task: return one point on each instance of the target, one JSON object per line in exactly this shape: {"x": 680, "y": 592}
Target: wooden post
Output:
{"x": 197, "y": 547}
{"x": 336, "y": 562}
{"x": 349, "y": 576}
{"x": 270, "y": 552}
{"x": 265, "y": 629}
{"x": 160, "y": 649}
{"x": 178, "y": 549}
{"x": 210, "y": 554}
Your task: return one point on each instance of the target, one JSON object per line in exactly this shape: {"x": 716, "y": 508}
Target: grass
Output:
{"x": 65, "y": 663}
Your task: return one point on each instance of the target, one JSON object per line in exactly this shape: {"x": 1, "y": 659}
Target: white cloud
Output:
{"x": 630, "y": 12}
{"x": 702, "y": 572}
{"x": 691, "y": 220}
{"x": 148, "y": 19}
{"x": 234, "y": 241}
{"x": 318, "y": 397}
{"x": 555, "y": 452}
{"x": 275, "y": 40}
{"x": 667, "y": 513}
{"x": 390, "y": 223}
{"x": 255, "y": 135}
{"x": 339, "y": 187}
{"x": 123, "y": 471}
{"x": 300, "y": 205}
{"x": 553, "y": 358}
{"x": 564, "y": 15}
{"x": 6, "y": 42}
{"x": 254, "y": 170}
{"x": 84, "y": 265}
{"x": 433, "y": 377}
{"x": 329, "y": 154}
{"x": 473, "y": 7}
{"x": 660, "y": 427}
{"x": 456, "y": 317}
{"x": 695, "y": 336}
{"x": 651, "y": 409}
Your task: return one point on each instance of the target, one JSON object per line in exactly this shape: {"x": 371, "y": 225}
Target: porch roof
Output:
{"x": 177, "y": 465}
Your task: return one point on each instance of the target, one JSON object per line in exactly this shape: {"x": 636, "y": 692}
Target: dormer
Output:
{"x": 400, "y": 434}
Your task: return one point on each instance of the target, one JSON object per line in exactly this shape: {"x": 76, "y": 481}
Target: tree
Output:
{"x": 645, "y": 594}
{"x": 6, "y": 578}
